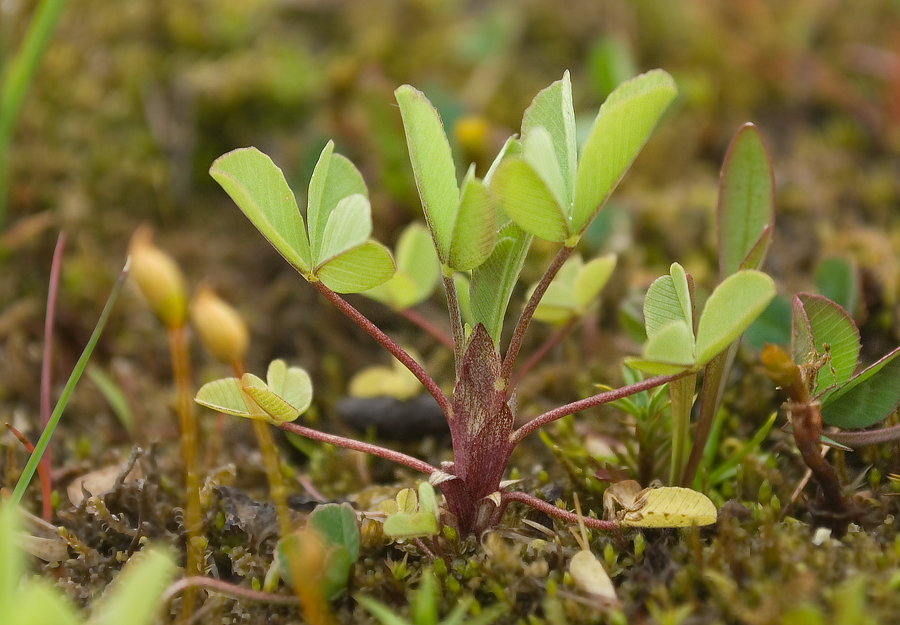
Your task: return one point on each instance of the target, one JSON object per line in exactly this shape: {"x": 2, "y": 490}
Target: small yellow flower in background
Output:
{"x": 220, "y": 327}
{"x": 471, "y": 132}
{"x": 158, "y": 278}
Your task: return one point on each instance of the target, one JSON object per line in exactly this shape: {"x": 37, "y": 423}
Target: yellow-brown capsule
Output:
{"x": 779, "y": 367}
{"x": 220, "y": 327}
{"x": 158, "y": 278}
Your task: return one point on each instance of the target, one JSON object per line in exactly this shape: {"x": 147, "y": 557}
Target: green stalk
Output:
{"x": 16, "y": 79}
{"x": 681, "y": 392}
{"x": 185, "y": 408}
{"x": 44, "y": 440}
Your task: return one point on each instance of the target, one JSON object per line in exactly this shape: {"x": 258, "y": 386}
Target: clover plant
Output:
{"x": 823, "y": 389}
{"x": 481, "y": 230}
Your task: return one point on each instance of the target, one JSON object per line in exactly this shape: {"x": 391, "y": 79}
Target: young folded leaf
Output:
{"x": 286, "y": 394}
{"x": 418, "y": 271}
{"x": 462, "y": 221}
{"x": 574, "y": 289}
{"x": 409, "y": 516}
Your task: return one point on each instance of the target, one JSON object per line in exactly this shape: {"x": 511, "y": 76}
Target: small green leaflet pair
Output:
{"x": 671, "y": 346}
{"x": 409, "y": 516}
{"x": 284, "y": 396}
{"x": 847, "y": 400}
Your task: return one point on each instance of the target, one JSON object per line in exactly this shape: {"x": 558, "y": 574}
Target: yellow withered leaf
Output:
{"x": 671, "y": 506}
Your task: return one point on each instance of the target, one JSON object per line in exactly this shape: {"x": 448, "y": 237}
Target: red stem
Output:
{"x": 225, "y": 588}
{"x": 398, "y": 352}
{"x": 866, "y": 437}
{"x": 590, "y": 402}
{"x": 43, "y": 475}
{"x": 46, "y": 365}
{"x": 549, "y": 508}
{"x": 515, "y": 343}
{"x": 367, "y": 448}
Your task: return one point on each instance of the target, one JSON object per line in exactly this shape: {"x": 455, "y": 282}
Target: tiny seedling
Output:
{"x": 822, "y": 387}
{"x": 409, "y": 516}
{"x": 481, "y": 231}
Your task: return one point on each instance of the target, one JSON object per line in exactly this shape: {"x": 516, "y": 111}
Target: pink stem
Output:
{"x": 224, "y": 588}
{"x": 590, "y": 402}
{"x": 515, "y": 343}
{"x": 549, "y": 508}
{"x": 398, "y": 352}
{"x": 866, "y": 437}
{"x": 367, "y": 448}
{"x": 46, "y": 365}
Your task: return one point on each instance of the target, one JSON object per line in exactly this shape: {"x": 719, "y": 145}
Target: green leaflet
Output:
{"x": 746, "y": 211}
{"x": 358, "y": 269}
{"x": 334, "y": 179}
{"x": 528, "y": 201}
{"x": 552, "y": 110}
{"x": 867, "y": 398}
{"x": 620, "y": 130}
{"x": 733, "y": 306}
{"x": 462, "y": 221}
{"x": 816, "y": 322}
{"x": 259, "y": 189}
{"x": 475, "y": 230}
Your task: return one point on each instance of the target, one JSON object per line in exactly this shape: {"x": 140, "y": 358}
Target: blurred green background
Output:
{"x": 135, "y": 98}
